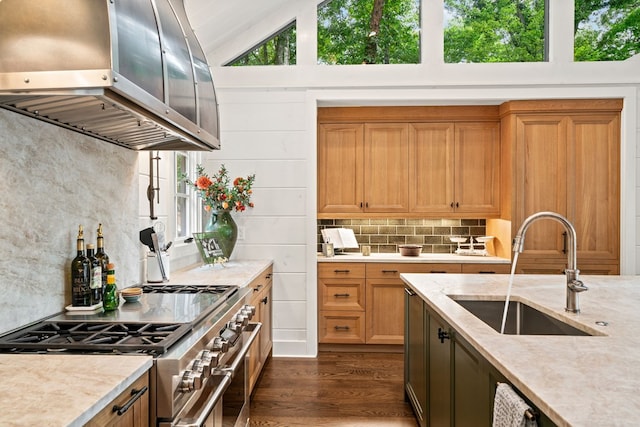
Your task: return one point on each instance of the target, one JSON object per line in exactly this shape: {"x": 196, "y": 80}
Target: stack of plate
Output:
{"x": 131, "y": 294}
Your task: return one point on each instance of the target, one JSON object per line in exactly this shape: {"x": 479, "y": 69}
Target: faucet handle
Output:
{"x": 577, "y": 286}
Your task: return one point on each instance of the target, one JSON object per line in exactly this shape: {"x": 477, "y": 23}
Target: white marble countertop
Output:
{"x": 236, "y": 273}
{"x": 422, "y": 258}
{"x": 69, "y": 390}
{"x": 62, "y": 390}
{"x": 575, "y": 380}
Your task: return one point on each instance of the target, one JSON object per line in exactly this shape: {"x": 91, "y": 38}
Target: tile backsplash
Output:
{"x": 384, "y": 235}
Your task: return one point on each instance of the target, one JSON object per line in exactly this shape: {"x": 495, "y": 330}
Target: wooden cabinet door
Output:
{"x": 136, "y": 416}
{"x": 477, "y": 168}
{"x": 594, "y": 186}
{"x": 385, "y": 302}
{"x": 340, "y": 168}
{"x": 541, "y": 182}
{"x": 431, "y": 167}
{"x": 386, "y": 161}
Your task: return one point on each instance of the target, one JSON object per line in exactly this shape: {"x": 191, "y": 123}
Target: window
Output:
{"x": 494, "y": 31}
{"x": 369, "y": 32}
{"x": 606, "y": 30}
{"x": 187, "y": 204}
{"x": 279, "y": 49}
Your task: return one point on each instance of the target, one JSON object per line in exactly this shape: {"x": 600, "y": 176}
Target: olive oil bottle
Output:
{"x": 80, "y": 275}
{"x": 110, "y": 300}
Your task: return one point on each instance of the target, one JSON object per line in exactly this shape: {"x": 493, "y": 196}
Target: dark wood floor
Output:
{"x": 335, "y": 389}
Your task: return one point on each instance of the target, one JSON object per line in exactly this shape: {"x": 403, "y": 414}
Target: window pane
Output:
{"x": 182, "y": 217}
{"x": 369, "y": 32}
{"x": 494, "y": 31}
{"x": 280, "y": 49}
{"x": 606, "y": 30}
{"x": 181, "y": 169}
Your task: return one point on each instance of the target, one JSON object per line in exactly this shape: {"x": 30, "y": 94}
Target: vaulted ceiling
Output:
{"x": 228, "y": 28}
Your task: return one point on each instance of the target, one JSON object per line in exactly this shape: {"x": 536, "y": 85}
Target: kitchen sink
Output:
{"x": 522, "y": 319}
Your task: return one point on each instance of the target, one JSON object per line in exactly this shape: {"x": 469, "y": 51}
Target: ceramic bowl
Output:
{"x": 410, "y": 250}
{"x": 131, "y": 298}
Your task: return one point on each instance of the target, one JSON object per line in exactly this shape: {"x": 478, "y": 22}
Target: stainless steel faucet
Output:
{"x": 574, "y": 285}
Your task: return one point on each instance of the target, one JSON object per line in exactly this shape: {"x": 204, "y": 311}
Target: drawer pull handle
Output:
{"x": 341, "y": 328}
{"x": 437, "y": 271}
{"x": 443, "y": 335}
{"x": 486, "y": 272}
{"x": 257, "y": 288}
{"x": 264, "y": 300}
{"x": 341, "y": 295}
{"x": 390, "y": 271}
{"x": 341, "y": 271}
{"x": 135, "y": 395}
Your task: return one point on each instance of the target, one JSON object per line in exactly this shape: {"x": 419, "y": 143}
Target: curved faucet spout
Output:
{"x": 574, "y": 285}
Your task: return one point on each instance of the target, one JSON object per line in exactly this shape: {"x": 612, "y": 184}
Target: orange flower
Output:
{"x": 203, "y": 183}
{"x": 225, "y": 205}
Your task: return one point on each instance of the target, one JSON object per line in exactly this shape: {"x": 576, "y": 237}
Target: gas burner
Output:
{"x": 100, "y": 337}
{"x": 188, "y": 289}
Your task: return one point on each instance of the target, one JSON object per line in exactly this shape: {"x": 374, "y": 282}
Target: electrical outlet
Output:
{"x": 241, "y": 233}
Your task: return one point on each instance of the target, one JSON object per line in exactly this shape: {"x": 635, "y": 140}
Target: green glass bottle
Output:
{"x": 80, "y": 275}
{"x": 110, "y": 300}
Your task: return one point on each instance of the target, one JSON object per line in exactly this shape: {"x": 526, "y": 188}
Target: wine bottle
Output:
{"x": 110, "y": 300}
{"x": 96, "y": 276}
{"x": 102, "y": 257}
{"x": 80, "y": 275}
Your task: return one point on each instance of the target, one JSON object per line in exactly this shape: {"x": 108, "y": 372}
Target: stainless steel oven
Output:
{"x": 199, "y": 338}
{"x": 223, "y": 398}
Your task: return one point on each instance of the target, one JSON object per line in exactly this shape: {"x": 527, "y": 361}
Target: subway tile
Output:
{"x": 407, "y": 231}
{"x": 415, "y": 240}
{"x": 384, "y": 229}
{"x": 378, "y": 239}
{"x": 451, "y": 222}
{"x": 396, "y": 221}
{"x": 369, "y": 229}
{"x": 397, "y": 239}
{"x": 343, "y": 222}
{"x": 424, "y": 230}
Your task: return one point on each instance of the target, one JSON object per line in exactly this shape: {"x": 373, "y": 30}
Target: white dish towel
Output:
{"x": 509, "y": 409}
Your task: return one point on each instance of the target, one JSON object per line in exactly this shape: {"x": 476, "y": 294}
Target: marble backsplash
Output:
{"x": 52, "y": 180}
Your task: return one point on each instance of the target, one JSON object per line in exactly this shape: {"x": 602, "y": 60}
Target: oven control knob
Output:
{"x": 219, "y": 344}
{"x": 210, "y": 360}
{"x": 197, "y": 371}
{"x": 250, "y": 309}
{"x": 205, "y": 361}
{"x": 234, "y": 326}
{"x": 190, "y": 381}
{"x": 242, "y": 319}
{"x": 247, "y": 313}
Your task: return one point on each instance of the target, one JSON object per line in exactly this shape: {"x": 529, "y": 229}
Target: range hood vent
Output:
{"x": 130, "y": 72}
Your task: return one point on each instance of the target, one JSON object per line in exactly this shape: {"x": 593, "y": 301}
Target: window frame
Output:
{"x": 192, "y": 204}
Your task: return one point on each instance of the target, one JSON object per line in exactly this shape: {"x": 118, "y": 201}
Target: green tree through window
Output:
{"x": 606, "y": 30}
{"x": 369, "y": 32}
{"x": 494, "y": 31}
{"x": 279, "y": 49}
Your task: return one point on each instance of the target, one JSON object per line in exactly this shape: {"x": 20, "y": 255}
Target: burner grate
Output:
{"x": 188, "y": 289}
{"x": 101, "y": 337}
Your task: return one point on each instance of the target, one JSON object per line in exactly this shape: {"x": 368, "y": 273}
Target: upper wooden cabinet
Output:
{"x": 363, "y": 168}
{"x": 566, "y": 159}
{"x": 454, "y": 169}
{"x": 409, "y": 162}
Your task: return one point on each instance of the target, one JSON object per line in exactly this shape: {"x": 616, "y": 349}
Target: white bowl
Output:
{"x": 484, "y": 239}
{"x": 458, "y": 239}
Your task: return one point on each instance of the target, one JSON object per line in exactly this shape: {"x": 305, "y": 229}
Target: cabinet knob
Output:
{"x": 443, "y": 335}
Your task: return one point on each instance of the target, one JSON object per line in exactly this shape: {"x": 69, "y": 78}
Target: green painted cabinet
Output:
{"x": 447, "y": 381}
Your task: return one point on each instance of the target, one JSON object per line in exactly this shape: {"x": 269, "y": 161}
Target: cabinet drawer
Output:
{"x": 486, "y": 268}
{"x": 341, "y": 327}
{"x": 136, "y": 415}
{"x": 393, "y": 270}
{"x": 343, "y": 270}
{"x": 344, "y": 294}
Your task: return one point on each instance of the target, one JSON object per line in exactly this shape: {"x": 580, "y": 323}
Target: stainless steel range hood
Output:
{"x": 130, "y": 72}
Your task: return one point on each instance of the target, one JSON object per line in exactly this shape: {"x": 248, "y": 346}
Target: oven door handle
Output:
{"x": 227, "y": 374}
{"x": 211, "y": 403}
{"x": 255, "y": 330}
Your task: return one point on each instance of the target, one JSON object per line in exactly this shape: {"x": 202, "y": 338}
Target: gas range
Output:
{"x": 197, "y": 335}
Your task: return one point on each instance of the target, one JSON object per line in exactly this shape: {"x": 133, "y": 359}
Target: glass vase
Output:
{"x": 224, "y": 229}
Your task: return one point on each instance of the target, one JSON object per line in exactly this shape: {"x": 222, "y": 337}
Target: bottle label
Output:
{"x": 96, "y": 277}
